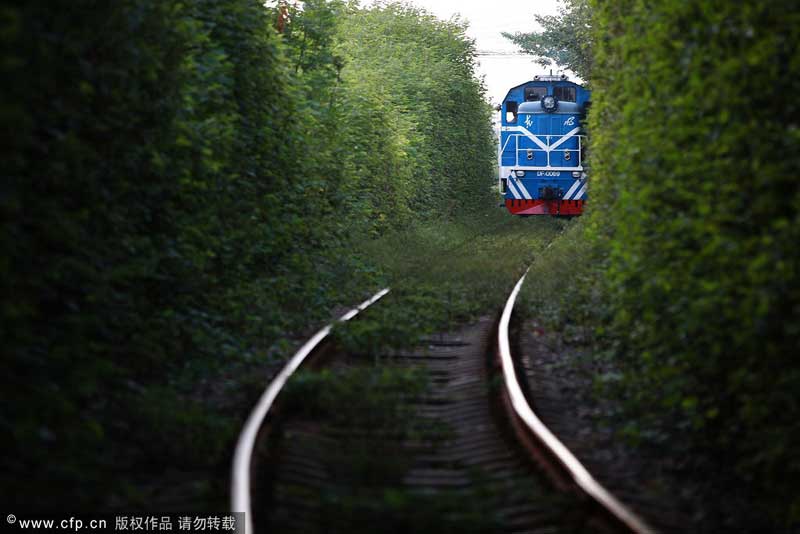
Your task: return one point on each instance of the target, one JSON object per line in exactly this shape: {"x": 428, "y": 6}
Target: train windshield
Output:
{"x": 534, "y": 94}
{"x": 564, "y": 94}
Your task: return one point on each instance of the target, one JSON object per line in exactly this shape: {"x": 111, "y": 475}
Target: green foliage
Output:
{"x": 181, "y": 187}
{"x": 370, "y": 398}
{"x": 418, "y": 104}
{"x": 85, "y": 224}
{"x": 444, "y": 274}
{"x": 564, "y": 288}
{"x": 695, "y": 200}
{"x": 182, "y": 434}
{"x": 566, "y": 39}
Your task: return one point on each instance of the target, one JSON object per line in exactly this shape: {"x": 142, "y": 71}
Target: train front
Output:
{"x": 541, "y": 147}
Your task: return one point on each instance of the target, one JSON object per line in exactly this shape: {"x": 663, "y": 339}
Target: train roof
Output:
{"x": 545, "y": 78}
{"x": 548, "y": 78}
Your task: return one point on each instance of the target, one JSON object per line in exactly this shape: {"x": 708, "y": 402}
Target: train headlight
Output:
{"x": 549, "y": 103}
{"x": 576, "y": 174}
{"x": 519, "y": 174}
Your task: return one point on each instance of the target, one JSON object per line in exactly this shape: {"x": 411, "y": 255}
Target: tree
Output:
{"x": 566, "y": 39}
{"x": 695, "y": 201}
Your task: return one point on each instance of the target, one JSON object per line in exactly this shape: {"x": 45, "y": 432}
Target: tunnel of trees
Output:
{"x": 181, "y": 185}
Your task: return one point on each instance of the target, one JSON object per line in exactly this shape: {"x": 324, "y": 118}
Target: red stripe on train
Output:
{"x": 544, "y": 207}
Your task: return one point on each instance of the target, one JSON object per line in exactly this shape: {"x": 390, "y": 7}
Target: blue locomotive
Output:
{"x": 540, "y": 155}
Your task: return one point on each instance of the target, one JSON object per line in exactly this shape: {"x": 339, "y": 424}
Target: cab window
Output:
{"x": 534, "y": 94}
{"x": 511, "y": 111}
{"x": 564, "y": 94}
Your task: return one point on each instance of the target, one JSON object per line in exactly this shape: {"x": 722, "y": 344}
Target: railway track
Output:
{"x": 464, "y": 453}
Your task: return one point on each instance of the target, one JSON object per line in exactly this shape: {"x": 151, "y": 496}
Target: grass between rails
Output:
{"x": 370, "y": 413}
{"x": 445, "y": 273}
{"x": 442, "y": 275}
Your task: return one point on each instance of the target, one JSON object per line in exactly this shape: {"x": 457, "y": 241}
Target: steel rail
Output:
{"x": 579, "y": 474}
{"x": 242, "y": 459}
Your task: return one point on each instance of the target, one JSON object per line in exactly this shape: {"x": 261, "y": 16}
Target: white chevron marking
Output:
{"x": 530, "y": 136}
{"x": 565, "y": 138}
{"x": 572, "y": 189}
{"x": 523, "y": 190}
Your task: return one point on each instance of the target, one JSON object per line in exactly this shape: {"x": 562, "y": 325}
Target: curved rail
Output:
{"x": 242, "y": 459}
{"x": 584, "y": 480}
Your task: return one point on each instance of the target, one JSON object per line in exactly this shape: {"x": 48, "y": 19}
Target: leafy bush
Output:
{"x": 420, "y": 74}
{"x": 694, "y": 197}
{"x": 181, "y": 183}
